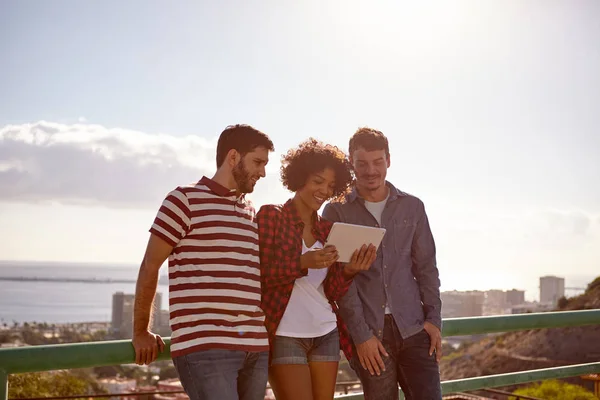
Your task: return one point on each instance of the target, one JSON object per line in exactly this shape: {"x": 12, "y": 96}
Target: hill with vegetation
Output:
{"x": 533, "y": 349}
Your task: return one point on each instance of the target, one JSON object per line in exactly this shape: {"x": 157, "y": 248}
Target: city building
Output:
{"x": 498, "y": 302}
{"x": 515, "y": 297}
{"x": 122, "y": 315}
{"x": 462, "y": 304}
{"x": 552, "y": 288}
{"x": 495, "y": 302}
{"x": 122, "y": 311}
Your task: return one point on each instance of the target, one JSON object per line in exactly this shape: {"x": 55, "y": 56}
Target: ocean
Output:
{"x": 58, "y": 292}
{"x": 64, "y": 292}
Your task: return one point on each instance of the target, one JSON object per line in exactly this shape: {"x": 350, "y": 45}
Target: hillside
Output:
{"x": 519, "y": 351}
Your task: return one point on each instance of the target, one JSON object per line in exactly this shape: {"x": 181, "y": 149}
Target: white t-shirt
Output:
{"x": 376, "y": 209}
{"x": 308, "y": 313}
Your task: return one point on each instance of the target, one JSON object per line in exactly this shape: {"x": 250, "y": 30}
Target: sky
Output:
{"x": 492, "y": 110}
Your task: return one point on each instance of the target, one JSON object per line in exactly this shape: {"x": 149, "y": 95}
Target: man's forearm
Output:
{"x": 144, "y": 297}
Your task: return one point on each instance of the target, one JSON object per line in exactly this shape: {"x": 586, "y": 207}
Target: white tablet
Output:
{"x": 348, "y": 237}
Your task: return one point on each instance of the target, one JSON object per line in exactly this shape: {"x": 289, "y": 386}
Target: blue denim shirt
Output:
{"x": 404, "y": 275}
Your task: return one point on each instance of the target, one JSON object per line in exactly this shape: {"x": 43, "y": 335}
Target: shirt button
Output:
{"x": 383, "y": 306}
{"x": 386, "y": 285}
{"x": 385, "y": 266}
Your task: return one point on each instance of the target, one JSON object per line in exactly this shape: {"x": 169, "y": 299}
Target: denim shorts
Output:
{"x": 290, "y": 350}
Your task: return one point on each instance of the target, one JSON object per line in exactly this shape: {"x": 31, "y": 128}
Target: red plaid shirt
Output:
{"x": 280, "y": 240}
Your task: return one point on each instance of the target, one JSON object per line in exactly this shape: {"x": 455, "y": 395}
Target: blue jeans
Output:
{"x": 223, "y": 374}
{"x": 409, "y": 364}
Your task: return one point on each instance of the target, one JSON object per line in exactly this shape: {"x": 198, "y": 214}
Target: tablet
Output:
{"x": 348, "y": 237}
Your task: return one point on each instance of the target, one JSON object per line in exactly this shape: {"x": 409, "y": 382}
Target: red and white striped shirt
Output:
{"x": 214, "y": 270}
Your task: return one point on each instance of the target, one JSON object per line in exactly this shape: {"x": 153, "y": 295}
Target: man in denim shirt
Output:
{"x": 393, "y": 310}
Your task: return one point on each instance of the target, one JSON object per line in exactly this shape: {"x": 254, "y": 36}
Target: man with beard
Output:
{"x": 208, "y": 231}
{"x": 393, "y": 310}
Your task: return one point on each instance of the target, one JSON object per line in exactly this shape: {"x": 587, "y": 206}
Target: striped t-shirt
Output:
{"x": 214, "y": 271}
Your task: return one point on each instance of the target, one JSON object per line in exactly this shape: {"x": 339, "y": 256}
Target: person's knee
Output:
{"x": 422, "y": 380}
{"x": 384, "y": 386}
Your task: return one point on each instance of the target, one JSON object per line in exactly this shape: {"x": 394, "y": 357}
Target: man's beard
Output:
{"x": 242, "y": 178}
{"x": 366, "y": 184}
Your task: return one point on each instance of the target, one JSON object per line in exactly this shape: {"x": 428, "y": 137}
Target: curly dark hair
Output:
{"x": 313, "y": 156}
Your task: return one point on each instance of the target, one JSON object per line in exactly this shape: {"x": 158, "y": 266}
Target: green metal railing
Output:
{"x": 95, "y": 354}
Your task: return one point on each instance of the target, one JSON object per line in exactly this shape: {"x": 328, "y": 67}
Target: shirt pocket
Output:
{"x": 403, "y": 230}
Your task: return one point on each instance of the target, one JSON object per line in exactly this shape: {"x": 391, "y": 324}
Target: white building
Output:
{"x": 552, "y": 288}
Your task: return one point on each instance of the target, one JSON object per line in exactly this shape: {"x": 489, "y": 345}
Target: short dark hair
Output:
{"x": 369, "y": 139}
{"x": 311, "y": 157}
{"x": 242, "y": 138}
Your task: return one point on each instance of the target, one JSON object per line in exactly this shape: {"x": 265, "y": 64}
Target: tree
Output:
{"x": 555, "y": 390}
{"x": 562, "y": 302}
{"x": 51, "y": 384}
{"x": 593, "y": 284}
{"x": 5, "y": 337}
{"x": 45, "y": 384}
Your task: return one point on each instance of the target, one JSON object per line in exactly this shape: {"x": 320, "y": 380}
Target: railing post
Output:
{"x": 3, "y": 385}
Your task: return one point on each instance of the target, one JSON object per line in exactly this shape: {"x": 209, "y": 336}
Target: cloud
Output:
{"x": 557, "y": 222}
{"x": 511, "y": 235}
{"x": 92, "y": 164}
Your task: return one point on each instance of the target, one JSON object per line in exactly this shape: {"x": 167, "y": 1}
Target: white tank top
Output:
{"x": 308, "y": 313}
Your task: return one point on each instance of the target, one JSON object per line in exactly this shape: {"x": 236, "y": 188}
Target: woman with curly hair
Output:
{"x": 301, "y": 280}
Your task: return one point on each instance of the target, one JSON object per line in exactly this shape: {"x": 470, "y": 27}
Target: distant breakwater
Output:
{"x": 163, "y": 280}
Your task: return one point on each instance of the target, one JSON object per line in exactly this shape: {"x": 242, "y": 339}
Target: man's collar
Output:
{"x": 217, "y": 188}
{"x": 394, "y": 193}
